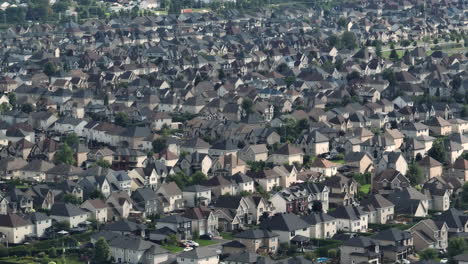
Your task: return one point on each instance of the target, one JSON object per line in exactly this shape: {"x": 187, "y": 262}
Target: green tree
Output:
{"x": 121, "y": 119}
{"x": 159, "y": 145}
{"x": 438, "y": 152}
{"x": 428, "y": 254}
{"x": 464, "y": 112}
{"x": 103, "y": 163}
{"x": 247, "y": 106}
{"x": 71, "y": 139}
{"x": 49, "y": 69}
{"x": 64, "y": 155}
{"x": 70, "y": 198}
{"x": 457, "y": 246}
{"x": 97, "y": 194}
{"x": 101, "y": 252}
{"x": 348, "y": 39}
{"x": 198, "y": 177}
{"x": 52, "y": 252}
{"x": 393, "y": 53}
{"x": 27, "y": 108}
{"x": 4, "y": 107}
{"x": 12, "y": 99}
{"x": 415, "y": 174}
{"x": 378, "y": 49}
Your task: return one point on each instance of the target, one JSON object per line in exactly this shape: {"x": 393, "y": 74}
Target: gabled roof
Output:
{"x": 392, "y": 234}
{"x": 284, "y": 222}
{"x": 64, "y": 209}
{"x": 255, "y": 234}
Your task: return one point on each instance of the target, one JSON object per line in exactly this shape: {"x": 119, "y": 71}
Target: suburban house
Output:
{"x": 15, "y": 228}
{"x": 97, "y": 209}
{"x": 181, "y": 225}
{"x": 428, "y": 233}
{"x": 65, "y": 212}
{"x": 360, "y": 249}
{"x": 287, "y": 154}
{"x": 201, "y": 255}
{"x": 351, "y": 218}
{"x": 321, "y": 226}
{"x": 395, "y": 244}
{"x": 287, "y": 226}
{"x": 380, "y": 209}
{"x": 325, "y": 167}
{"x": 259, "y": 240}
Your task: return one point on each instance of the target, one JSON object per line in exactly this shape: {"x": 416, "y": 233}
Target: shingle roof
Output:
{"x": 284, "y": 222}
{"x": 64, "y": 209}
{"x": 255, "y": 234}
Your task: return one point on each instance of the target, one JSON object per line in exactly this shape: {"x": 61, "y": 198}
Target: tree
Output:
{"x": 464, "y": 112}
{"x": 4, "y": 107}
{"x": 64, "y": 155}
{"x": 121, "y": 119}
{"x": 97, "y": 194}
{"x": 101, "y": 252}
{"x": 348, "y": 39}
{"x": 49, "y": 69}
{"x": 71, "y": 139}
{"x": 198, "y": 177}
{"x": 415, "y": 174}
{"x": 457, "y": 246}
{"x": 428, "y": 254}
{"x": 159, "y": 145}
{"x": 247, "y": 106}
{"x": 70, "y": 198}
{"x": 12, "y": 99}
{"x": 27, "y": 108}
{"x": 103, "y": 163}
{"x": 438, "y": 152}
{"x": 317, "y": 207}
{"x": 342, "y": 22}
{"x": 378, "y": 49}
{"x": 52, "y": 252}
{"x": 393, "y": 53}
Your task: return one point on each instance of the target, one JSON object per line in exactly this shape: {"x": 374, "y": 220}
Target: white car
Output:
{"x": 444, "y": 260}
{"x": 188, "y": 249}
{"x": 192, "y": 243}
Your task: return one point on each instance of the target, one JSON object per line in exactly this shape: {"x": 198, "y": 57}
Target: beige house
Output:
{"x": 287, "y": 154}
{"x": 171, "y": 197}
{"x": 325, "y": 167}
{"x": 254, "y": 153}
{"x": 360, "y": 250}
{"x": 230, "y": 163}
{"x": 439, "y": 126}
{"x": 396, "y": 135}
{"x": 268, "y": 179}
{"x": 360, "y": 162}
{"x": 428, "y": 233}
{"x": 460, "y": 169}
{"x": 459, "y": 125}
{"x": 15, "y": 228}
{"x": 321, "y": 226}
{"x": 259, "y": 240}
{"x": 288, "y": 175}
{"x": 380, "y": 209}
{"x": 63, "y": 212}
{"x": 351, "y": 218}
{"x": 97, "y": 210}
{"x": 431, "y": 167}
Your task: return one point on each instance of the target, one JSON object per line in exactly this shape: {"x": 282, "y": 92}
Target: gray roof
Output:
{"x": 199, "y": 253}
{"x": 316, "y": 218}
{"x": 284, "y": 222}
{"x": 255, "y": 233}
{"x": 65, "y": 209}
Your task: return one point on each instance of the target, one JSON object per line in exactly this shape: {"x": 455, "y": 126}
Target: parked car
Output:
{"x": 192, "y": 243}
{"x": 206, "y": 237}
{"x": 188, "y": 249}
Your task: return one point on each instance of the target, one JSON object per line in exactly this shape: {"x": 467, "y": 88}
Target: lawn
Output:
{"x": 33, "y": 260}
{"x": 173, "y": 249}
{"x": 365, "y": 188}
{"x": 227, "y": 236}
{"x": 204, "y": 243}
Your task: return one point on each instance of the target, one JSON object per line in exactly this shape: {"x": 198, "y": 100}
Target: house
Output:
{"x": 409, "y": 201}
{"x": 415, "y": 129}
{"x": 456, "y": 221}
{"x": 438, "y": 194}
{"x": 325, "y": 167}
{"x": 230, "y": 164}
{"x": 342, "y": 190}
{"x": 428, "y": 233}
{"x": 389, "y": 180}
{"x": 125, "y": 228}
{"x": 460, "y": 169}
{"x": 97, "y": 209}
{"x": 360, "y": 249}
{"x": 392, "y": 160}
{"x": 204, "y": 220}
{"x": 40, "y": 221}
{"x": 380, "y": 209}
{"x": 321, "y": 225}
{"x": 146, "y": 201}
{"x": 360, "y": 162}
{"x": 65, "y": 212}
{"x": 300, "y": 198}
{"x": 181, "y": 225}
{"x": 220, "y": 185}
{"x": 259, "y": 240}
{"x": 15, "y": 228}
{"x": 314, "y": 143}
{"x": 439, "y": 126}
{"x": 120, "y": 204}
{"x": 233, "y": 212}
{"x": 431, "y": 167}
{"x": 287, "y": 154}
{"x": 132, "y": 249}
{"x": 170, "y": 197}
{"x": 395, "y": 244}
{"x": 196, "y": 195}
{"x": 258, "y": 152}
{"x": 351, "y": 218}
{"x": 201, "y": 255}
{"x": 287, "y": 226}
